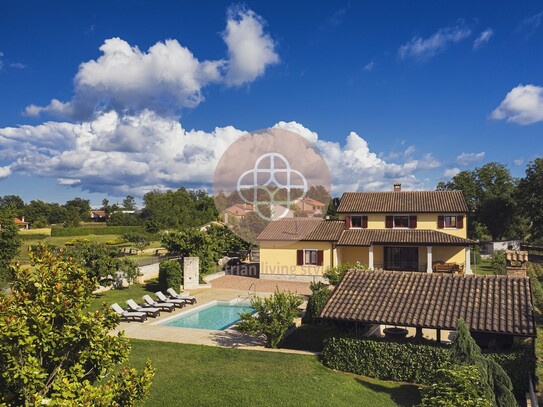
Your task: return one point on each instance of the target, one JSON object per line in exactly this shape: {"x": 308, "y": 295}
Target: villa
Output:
{"x": 418, "y": 231}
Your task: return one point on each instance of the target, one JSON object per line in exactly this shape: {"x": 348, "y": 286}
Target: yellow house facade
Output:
{"x": 422, "y": 231}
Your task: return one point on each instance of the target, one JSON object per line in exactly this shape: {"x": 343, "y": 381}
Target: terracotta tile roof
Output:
{"x": 303, "y": 229}
{"x": 19, "y": 222}
{"x": 403, "y": 202}
{"x": 494, "y": 304}
{"x": 365, "y": 237}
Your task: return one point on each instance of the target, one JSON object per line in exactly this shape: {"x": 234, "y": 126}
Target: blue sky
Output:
{"x": 407, "y": 91}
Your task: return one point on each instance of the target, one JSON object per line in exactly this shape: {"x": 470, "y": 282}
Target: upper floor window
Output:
{"x": 450, "y": 222}
{"x": 401, "y": 221}
{"x": 356, "y": 221}
{"x": 310, "y": 257}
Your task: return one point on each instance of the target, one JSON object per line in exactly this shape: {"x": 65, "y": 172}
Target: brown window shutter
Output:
{"x": 412, "y": 222}
{"x": 320, "y": 257}
{"x": 460, "y": 221}
{"x": 299, "y": 257}
{"x": 389, "y": 224}
{"x": 364, "y": 222}
{"x": 440, "y": 222}
{"x": 347, "y": 222}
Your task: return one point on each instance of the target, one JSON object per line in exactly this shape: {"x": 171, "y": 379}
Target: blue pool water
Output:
{"x": 215, "y": 317}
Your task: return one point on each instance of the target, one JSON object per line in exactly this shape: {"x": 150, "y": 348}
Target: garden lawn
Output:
{"x": 197, "y": 375}
{"x": 485, "y": 267}
{"x": 135, "y": 291}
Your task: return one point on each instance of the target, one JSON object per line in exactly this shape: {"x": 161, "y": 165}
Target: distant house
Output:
{"x": 311, "y": 207}
{"x": 98, "y": 216}
{"x": 491, "y": 246}
{"x": 237, "y": 210}
{"x": 22, "y": 224}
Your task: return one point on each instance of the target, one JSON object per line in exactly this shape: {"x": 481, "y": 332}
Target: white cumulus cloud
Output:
{"x": 166, "y": 77}
{"x": 426, "y": 48}
{"x": 522, "y": 105}
{"x": 470, "y": 158}
{"x": 451, "y": 172}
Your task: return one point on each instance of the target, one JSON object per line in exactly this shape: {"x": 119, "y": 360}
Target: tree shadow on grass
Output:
{"x": 405, "y": 395}
{"x": 152, "y": 286}
{"x": 234, "y": 338}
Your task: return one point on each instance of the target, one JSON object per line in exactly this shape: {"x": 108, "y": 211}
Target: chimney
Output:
{"x": 397, "y": 187}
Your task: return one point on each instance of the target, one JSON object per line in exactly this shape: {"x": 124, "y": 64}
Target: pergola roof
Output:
{"x": 489, "y": 304}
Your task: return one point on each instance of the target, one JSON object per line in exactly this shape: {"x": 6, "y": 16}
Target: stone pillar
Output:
{"x": 429, "y": 259}
{"x": 370, "y": 257}
{"x": 468, "y": 261}
{"x": 191, "y": 272}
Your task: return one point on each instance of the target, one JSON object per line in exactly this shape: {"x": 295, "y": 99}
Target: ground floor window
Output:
{"x": 401, "y": 258}
{"x": 310, "y": 257}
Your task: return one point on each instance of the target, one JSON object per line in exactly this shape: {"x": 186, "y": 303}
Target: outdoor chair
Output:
{"x": 183, "y": 296}
{"x": 151, "y": 311}
{"x": 166, "y": 306}
{"x": 162, "y": 299}
{"x": 128, "y": 315}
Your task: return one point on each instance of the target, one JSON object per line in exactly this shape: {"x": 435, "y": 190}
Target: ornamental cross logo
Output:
{"x": 276, "y": 168}
{"x": 271, "y": 175}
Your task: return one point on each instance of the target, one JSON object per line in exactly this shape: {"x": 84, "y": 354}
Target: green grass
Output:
{"x": 197, "y": 375}
{"x": 485, "y": 267}
{"x": 307, "y": 337}
{"x": 135, "y": 292}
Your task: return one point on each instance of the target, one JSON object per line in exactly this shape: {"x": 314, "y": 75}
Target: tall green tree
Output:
{"x": 14, "y": 202}
{"x": 81, "y": 205}
{"x": 497, "y": 385}
{"x": 54, "y": 351}
{"x": 490, "y": 195}
{"x": 530, "y": 198}
{"x": 10, "y": 241}
{"x": 129, "y": 203}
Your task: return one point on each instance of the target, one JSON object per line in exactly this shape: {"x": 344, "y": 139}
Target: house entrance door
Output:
{"x": 401, "y": 258}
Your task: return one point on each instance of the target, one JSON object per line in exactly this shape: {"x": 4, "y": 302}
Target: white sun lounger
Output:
{"x": 151, "y": 311}
{"x": 127, "y": 315}
{"x": 167, "y": 306}
{"x": 182, "y": 296}
{"x": 162, "y": 299}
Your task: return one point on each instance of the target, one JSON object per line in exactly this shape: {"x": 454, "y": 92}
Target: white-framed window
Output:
{"x": 310, "y": 257}
{"x": 450, "y": 221}
{"x": 356, "y": 222}
{"x": 401, "y": 221}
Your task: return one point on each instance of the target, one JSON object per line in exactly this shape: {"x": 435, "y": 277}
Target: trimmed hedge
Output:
{"x": 409, "y": 361}
{"x": 518, "y": 365}
{"x": 107, "y": 230}
{"x": 414, "y": 361}
{"x": 170, "y": 274}
{"x": 34, "y": 236}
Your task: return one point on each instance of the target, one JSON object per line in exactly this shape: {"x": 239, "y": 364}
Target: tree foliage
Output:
{"x": 170, "y": 275}
{"x": 275, "y": 315}
{"x": 319, "y": 295}
{"x": 335, "y": 274}
{"x": 529, "y": 198}
{"x": 10, "y": 241}
{"x": 459, "y": 386}
{"x": 497, "y": 386}
{"x": 53, "y": 350}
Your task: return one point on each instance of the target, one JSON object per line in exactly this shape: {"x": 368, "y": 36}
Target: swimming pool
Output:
{"x": 214, "y": 316}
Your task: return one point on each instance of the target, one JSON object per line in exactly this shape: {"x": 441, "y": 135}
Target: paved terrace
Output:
{"x": 225, "y": 288}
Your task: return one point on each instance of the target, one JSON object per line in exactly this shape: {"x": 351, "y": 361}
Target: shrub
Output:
{"x": 407, "y": 361}
{"x": 335, "y": 274}
{"x": 140, "y": 240}
{"x": 497, "y": 263}
{"x": 275, "y": 315}
{"x": 170, "y": 274}
{"x": 83, "y": 231}
{"x": 460, "y": 386}
{"x": 319, "y": 296}
{"x": 518, "y": 364}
